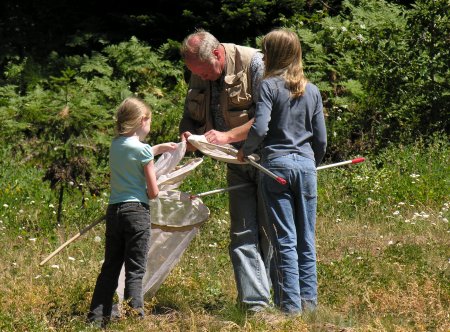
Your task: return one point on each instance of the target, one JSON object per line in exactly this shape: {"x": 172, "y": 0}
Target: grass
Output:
{"x": 383, "y": 242}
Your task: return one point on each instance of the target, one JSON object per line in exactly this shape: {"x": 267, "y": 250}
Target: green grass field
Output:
{"x": 383, "y": 244}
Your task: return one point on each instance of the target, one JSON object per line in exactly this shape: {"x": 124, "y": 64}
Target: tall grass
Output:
{"x": 383, "y": 242}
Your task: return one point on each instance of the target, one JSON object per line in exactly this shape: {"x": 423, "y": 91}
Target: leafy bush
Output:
{"x": 382, "y": 70}
{"x": 63, "y": 122}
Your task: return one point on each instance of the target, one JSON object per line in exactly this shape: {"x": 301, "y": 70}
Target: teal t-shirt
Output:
{"x": 127, "y": 158}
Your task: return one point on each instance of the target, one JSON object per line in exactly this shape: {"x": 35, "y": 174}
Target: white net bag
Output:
{"x": 169, "y": 160}
{"x": 176, "y": 219}
{"x": 173, "y": 179}
{"x": 169, "y": 174}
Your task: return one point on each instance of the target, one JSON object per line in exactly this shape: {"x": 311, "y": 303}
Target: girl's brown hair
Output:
{"x": 283, "y": 57}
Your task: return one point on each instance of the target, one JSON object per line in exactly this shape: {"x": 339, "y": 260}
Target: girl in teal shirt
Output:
{"x": 133, "y": 183}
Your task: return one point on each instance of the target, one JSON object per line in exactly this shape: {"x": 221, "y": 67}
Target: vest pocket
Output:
{"x": 236, "y": 118}
{"x": 237, "y": 89}
{"x": 196, "y": 105}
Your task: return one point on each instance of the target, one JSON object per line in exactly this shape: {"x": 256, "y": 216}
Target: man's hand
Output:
{"x": 217, "y": 137}
{"x": 236, "y": 134}
{"x": 240, "y": 155}
{"x": 183, "y": 137}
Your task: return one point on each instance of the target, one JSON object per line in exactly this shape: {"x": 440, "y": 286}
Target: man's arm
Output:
{"x": 257, "y": 72}
{"x": 236, "y": 134}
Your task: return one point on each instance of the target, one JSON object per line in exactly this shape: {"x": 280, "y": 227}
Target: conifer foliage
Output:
{"x": 62, "y": 120}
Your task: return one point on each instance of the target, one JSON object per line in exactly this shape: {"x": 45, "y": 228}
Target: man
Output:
{"x": 220, "y": 104}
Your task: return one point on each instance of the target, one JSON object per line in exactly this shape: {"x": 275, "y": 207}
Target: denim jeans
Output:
{"x": 292, "y": 215}
{"x": 127, "y": 237}
{"x": 249, "y": 248}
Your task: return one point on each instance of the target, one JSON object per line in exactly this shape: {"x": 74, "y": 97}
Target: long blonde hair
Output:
{"x": 283, "y": 57}
{"x": 129, "y": 115}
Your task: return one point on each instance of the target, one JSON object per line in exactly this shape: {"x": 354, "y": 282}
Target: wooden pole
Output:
{"x": 73, "y": 238}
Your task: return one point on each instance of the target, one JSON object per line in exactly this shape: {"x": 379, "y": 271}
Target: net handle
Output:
{"x": 73, "y": 238}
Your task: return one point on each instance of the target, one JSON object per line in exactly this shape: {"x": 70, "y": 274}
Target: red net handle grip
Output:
{"x": 358, "y": 160}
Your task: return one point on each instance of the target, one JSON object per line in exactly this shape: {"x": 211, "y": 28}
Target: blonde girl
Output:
{"x": 133, "y": 183}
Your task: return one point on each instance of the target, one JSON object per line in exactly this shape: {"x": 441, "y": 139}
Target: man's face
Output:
{"x": 206, "y": 70}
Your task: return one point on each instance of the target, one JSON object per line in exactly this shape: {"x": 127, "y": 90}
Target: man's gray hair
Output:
{"x": 199, "y": 45}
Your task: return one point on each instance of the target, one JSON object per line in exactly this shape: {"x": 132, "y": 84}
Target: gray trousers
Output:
{"x": 127, "y": 239}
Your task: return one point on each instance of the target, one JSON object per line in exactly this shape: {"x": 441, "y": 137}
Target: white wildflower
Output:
{"x": 33, "y": 239}
{"x": 71, "y": 258}
{"x": 5, "y": 205}
{"x": 51, "y": 206}
{"x": 97, "y": 239}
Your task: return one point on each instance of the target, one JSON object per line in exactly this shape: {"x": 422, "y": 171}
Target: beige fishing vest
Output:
{"x": 236, "y": 98}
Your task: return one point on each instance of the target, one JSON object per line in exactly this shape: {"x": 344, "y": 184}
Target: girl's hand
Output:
{"x": 164, "y": 147}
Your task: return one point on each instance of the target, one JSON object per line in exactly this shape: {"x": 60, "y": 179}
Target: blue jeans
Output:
{"x": 249, "y": 248}
{"x": 292, "y": 214}
{"x": 127, "y": 240}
